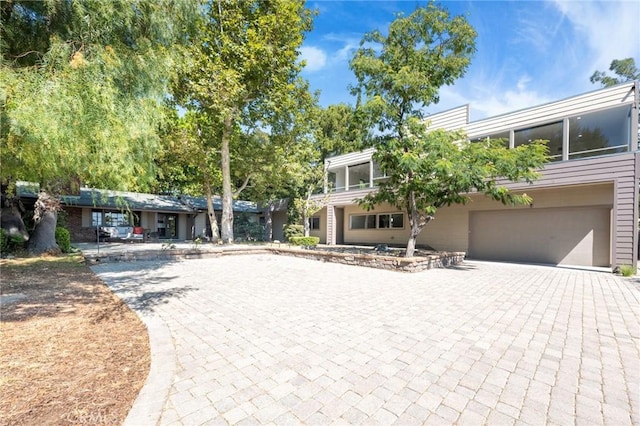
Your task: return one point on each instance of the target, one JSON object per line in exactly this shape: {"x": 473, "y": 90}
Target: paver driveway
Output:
{"x": 268, "y": 339}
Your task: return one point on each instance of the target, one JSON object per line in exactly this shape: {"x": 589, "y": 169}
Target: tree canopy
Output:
{"x": 82, "y": 86}
{"x": 624, "y": 69}
{"x": 400, "y": 73}
{"x": 242, "y": 73}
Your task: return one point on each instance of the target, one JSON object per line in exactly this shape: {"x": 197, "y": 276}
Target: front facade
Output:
{"x": 585, "y": 203}
{"x": 132, "y": 215}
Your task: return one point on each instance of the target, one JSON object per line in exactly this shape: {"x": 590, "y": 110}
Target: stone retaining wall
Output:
{"x": 413, "y": 264}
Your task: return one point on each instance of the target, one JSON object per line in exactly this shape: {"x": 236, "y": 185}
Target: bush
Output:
{"x": 304, "y": 241}
{"x": 627, "y": 270}
{"x": 246, "y": 229}
{"x": 10, "y": 244}
{"x": 63, "y": 239}
{"x": 4, "y": 243}
{"x": 293, "y": 230}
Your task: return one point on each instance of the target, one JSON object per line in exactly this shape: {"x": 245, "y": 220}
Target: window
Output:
{"x": 96, "y": 218}
{"x": 598, "y": 133}
{"x": 114, "y": 218}
{"x": 503, "y": 136}
{"x": 380, "y": 221}
{"x": 378, "y": 174}
{"x": 549, "y": 132}
{"x": 389, "y": 221}
{"x": 363, "y": 221}
{"x": 359, "y": 176}
{"x": 314, "y": 223}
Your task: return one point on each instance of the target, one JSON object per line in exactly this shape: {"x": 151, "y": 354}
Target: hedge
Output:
{"x": 304, "y": 241}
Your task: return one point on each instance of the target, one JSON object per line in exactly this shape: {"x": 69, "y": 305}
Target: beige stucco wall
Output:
{"x": 450, "y": 228}
{"x": 374, "y": 236}
{"x": 322, "y": 232}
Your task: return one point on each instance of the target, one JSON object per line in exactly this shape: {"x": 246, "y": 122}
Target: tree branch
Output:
{"x": 244, "y": 185}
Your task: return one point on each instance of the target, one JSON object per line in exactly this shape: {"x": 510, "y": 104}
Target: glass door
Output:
{"x": 167, "y": 225}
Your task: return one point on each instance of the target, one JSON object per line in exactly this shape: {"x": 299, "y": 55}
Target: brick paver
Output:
{"x": 271, "y": 339}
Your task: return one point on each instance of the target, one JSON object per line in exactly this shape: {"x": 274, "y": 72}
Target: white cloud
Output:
{"x": 485, "y": 102}
{"x": 610, "y": 29}
{"x": 349, "y": 44}
{"x": 315, "y": 58}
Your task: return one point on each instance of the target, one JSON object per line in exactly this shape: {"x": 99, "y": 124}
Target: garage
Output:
{"x": 568, "y": 236}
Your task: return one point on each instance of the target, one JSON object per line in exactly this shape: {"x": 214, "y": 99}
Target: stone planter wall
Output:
{"x": 412, "y": 264}
{"x": 380, "y": 261}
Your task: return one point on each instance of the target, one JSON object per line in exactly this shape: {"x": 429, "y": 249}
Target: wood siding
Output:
{"x": 623, "y": 94}
{"x": 456, "y": 118}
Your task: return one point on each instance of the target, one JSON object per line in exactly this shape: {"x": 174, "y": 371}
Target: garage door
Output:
{"x": 569, "y": 236}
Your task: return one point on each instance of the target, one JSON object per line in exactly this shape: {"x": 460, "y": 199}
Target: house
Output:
{"x": 119, "y": 214}
{"x": 585, "y": 203}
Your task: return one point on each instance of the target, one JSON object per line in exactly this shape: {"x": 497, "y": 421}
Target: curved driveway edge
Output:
{"x": 148, "y": 406}
{"x": 258, "y": 339}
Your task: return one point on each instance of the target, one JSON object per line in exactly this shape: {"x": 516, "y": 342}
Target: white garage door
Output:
{"x": 569, "y": 236}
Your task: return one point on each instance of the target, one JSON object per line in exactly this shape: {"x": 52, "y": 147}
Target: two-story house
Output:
{"x": 585, "y": 202}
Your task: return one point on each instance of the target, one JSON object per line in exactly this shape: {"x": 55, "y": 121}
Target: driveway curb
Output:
{"x": 148, "y": 406}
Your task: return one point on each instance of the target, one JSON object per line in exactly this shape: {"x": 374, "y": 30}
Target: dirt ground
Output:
{"x": 70, "y": 351}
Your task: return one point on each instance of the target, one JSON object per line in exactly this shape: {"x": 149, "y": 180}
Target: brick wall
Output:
{"x": 79, "y": 234}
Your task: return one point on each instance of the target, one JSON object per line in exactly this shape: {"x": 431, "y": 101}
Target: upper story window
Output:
{"x": 503, "y": 136}
{"x": 359, "y": 176}
{"x": 550, "y": 132}
{"x": 601, "y": 132}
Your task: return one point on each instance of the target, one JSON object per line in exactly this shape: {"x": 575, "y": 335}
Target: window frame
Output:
{"x": 377, "y": 221}
{"x": 314, "y": 223}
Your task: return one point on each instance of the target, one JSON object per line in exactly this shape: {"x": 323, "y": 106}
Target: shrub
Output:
{"x": 4, "y": 243}
{"x": 246, "y": 229}
{"x": 293, "y": 230}
{"x": 304, "y": 241}
{"x": 10, "y": 244}
{"x": 63, "y": 239}
{"x": 627, "y": 270}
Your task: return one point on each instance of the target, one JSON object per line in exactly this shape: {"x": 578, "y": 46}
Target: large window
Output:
{"x": 114, "y": 218}
{"x": 378, "y": 174}
{"x": 362, "y": 221}
{"x": 379, "y": 221}
{"x": 550, "y": 132}
{"x": 359, "y": 176}
{"x": 599, "y": 133}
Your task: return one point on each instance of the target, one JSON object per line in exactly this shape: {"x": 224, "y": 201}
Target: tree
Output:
{"x": 81, "y": 87}
{"x": 625, "y": 69}
{"x": 398, "y": 75}
{"x": 338, "y": 131}
{"x": 189, "y": 162}
{"x": 433, "y": 168}
{"x": 243, "y": 71}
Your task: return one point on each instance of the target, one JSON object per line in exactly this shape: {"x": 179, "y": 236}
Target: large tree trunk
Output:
{"x": 227, "y": 193}
{"x": 417, "y": 221}
{"x": 11, "y": 219}
{"x": 43, "y": 238}
{"x": 411, "y": 244}
{"x": 268, "y": 221}
{"x": 213, "y": 222}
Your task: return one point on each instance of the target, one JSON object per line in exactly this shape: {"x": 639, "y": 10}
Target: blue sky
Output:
{"x": 528, "y": 52}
